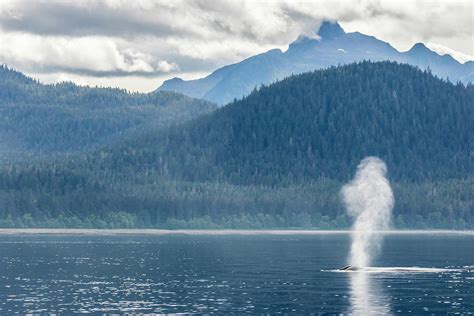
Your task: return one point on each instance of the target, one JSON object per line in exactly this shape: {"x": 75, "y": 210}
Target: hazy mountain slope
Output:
{"x": 333, "y": 47}
{"x": 46, "y": 119}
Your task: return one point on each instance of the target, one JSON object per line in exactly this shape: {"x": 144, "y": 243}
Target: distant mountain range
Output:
{"x": 332, "y": 47}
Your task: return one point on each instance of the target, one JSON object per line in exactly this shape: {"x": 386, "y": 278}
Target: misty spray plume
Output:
{"x": 369, "y": 199}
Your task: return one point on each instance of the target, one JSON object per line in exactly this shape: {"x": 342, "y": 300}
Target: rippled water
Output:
{"x": 232, "y": 274}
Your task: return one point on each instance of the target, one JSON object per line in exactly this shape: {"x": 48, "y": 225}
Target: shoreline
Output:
{"x": 210, "y": 232}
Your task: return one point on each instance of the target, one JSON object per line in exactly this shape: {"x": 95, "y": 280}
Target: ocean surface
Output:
{"x": 226, "y": 273}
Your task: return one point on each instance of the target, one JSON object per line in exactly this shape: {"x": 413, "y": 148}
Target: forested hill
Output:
{"x": 277, "y": 158}
{"x": 321, "y": 124}
{"x": 58, "y": 118}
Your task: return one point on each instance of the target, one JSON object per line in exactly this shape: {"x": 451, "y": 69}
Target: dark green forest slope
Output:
{"x": 321, "y": 124}
{"x": 274, "y": 159}
{"x": 64, "y": 118}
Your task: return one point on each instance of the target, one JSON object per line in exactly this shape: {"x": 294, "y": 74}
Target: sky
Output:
{"x": 138, "y": 44}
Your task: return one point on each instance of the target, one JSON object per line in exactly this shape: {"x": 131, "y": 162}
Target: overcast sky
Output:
{"x": 138, "y": 44}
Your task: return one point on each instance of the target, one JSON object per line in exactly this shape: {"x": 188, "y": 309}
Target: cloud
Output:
{"x": 87, "y": 55}
{"x": 85, "y": 18}
{"x": 443, "y": 50}
{"x": 154, "y": 38}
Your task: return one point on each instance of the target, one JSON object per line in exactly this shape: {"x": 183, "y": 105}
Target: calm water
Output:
{"x": 230, "y": 274}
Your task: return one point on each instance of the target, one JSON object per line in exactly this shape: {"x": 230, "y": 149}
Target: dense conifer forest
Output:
{"x": 38, "y": 119}
{"x": 276, "y": 158}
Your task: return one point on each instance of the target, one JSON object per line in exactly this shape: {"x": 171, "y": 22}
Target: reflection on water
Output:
{"x": 367, "y": 296}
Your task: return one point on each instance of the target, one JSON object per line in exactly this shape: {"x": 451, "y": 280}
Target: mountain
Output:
{"x": 276, "y": 158}
{"x": 332, "y": 47}
{"x": 38, "y": 119}
{"x": 322, "y": 123}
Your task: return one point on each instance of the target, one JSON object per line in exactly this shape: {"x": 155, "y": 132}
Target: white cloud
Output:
{"x": 91, "y": 54}
{"x": 148, "y": 38}
{"x": 442, "y": 50}
{"x": 223, "y": 50}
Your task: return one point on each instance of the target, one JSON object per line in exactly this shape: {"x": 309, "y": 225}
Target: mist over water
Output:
{"x": 369, "y": 199}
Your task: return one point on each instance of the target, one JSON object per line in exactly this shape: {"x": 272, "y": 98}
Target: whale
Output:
{"x": 349, "y": 268}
